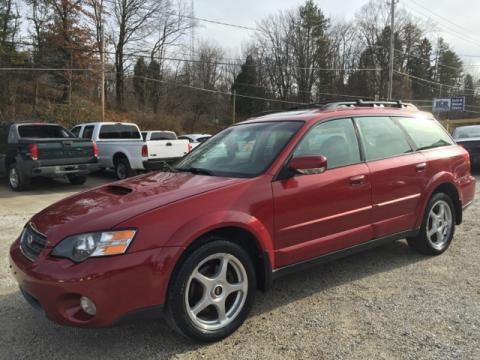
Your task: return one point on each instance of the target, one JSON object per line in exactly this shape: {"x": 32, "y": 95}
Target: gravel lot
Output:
{"x": 387, "y": 303}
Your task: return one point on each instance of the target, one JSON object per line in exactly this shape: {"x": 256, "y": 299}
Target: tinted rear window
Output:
{"x": 163, "y": 135}
{"x": 43, "y": 132}
{"x": 119, "y": 131}
{"x": 425, "y": 133}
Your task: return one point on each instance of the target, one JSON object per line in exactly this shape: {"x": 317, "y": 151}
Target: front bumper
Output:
{"x": 120, "y": 286}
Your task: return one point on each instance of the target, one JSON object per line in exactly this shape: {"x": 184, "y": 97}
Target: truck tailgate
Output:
{"x": 64, "y": 151}
{"x": 167, "y": 149}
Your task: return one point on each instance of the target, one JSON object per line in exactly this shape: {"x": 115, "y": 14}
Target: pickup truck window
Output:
{"x": 119, "y": 131}
{"x": 76, "y": 130}
{"x": 88, "y": 132}
{"x": 163, "y": 135}
{"x": 43, "y": 132}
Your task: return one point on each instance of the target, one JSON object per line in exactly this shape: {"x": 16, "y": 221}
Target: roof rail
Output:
{"x": 362, "y": 103}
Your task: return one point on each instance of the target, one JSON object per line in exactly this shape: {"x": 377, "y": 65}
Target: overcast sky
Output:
{"x": 458, "y": 23}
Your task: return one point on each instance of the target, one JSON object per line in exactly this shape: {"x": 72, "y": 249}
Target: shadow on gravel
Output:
{"x": 25, "y": 332}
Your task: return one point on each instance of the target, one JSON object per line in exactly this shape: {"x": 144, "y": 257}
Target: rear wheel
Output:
{"x": 438, "y": 226}
{"x": 212, "y": 292}
{"x": 76, "y": 179}
{"x": 123, "y": 169}
{"x": 16, "y": 179}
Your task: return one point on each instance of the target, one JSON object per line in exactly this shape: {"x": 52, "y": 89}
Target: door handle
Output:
{"x": 357, "y": 180}
{"x": 169, "y": 144}
{"x": 420, "y": 167}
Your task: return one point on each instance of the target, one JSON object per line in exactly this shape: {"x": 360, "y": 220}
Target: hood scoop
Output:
{"x": 118, "y": 190}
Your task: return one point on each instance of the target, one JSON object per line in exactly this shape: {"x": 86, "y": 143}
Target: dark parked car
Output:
{"x": 259, "y": 200}
{"x": 469, "y": 138}
{"x": 29, "y": 150}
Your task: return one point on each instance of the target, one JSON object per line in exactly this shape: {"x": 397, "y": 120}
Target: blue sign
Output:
{"x": 457, "y": 103}
{"x": 449, "y": 104}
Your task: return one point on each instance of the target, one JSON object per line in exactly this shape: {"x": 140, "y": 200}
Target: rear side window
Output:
{"x": 163, "y": 135}
{"x": 76, "y": 130}
{"x": 43, "y": 132}
{"x": 119, "y": 131}
{"x": 336, "y": 140}
{"x": 382, "y": 138}
{"x": 88, "y": 132}
{"x": 425, "y": 133}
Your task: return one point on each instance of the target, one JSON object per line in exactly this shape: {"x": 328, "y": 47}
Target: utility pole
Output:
{"x": 234, "y": 103}
{"x": 102, "y": 60}
{"x": 392, "y": 49}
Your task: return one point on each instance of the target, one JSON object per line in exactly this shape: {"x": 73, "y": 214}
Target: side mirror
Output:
{"x": 308, "y": 165}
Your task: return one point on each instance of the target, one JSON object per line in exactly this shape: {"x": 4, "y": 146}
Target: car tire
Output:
{"x": 123, "y": 169}
{"x": 16, "y": 179}
{"x": 438, "y": 226}
{"x": 76, "y": 179}
{"x": 212, "y": 292}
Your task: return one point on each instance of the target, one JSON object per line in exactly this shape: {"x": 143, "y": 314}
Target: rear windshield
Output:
{"x": 43, "y": 132}
{"x": 119, "y": 131}
{"x": 466, "y": 132}
{"x": 163, "y": 135}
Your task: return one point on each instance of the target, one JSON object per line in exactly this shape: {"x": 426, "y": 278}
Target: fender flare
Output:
{"x": 194, "y": 229}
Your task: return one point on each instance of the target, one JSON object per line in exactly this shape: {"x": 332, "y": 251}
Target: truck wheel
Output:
{"x": 16, "y": 179}
{"x": 211, "y": 294}
{"x": 438, "y": 226}
{"x": 123, "y": 169}
{"x": 76, "y": 179}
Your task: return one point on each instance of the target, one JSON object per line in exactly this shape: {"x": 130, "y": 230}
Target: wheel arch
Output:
{"x": 249, "y": 239}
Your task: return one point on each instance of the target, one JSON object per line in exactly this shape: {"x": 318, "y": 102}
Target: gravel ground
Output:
{"x": 387, "y": 303}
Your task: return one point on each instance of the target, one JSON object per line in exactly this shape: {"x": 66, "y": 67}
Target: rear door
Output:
{"x": 320, "y": 213}
{"x": 399, "y": 175}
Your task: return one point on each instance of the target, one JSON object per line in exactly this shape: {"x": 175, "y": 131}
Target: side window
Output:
{"x": 88, "y": 132}
{"x": 382, "y": 138}
{"x": 76, "y": 130}
{"x": 336, "y": 140}
{"x": 425, "y": 133}
{"x": 3, "y": 134}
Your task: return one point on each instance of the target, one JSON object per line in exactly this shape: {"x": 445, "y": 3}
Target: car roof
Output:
{"x": 105, "y": 123}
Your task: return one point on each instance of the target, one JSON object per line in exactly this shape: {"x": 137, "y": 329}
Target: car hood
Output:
{"x": 104, "y": 207}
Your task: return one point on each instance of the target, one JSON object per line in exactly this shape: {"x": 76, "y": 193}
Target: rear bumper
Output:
{"x": 60, "y": 170}
{"x": 123, "y": 287}
{"x": 158, "y": 164}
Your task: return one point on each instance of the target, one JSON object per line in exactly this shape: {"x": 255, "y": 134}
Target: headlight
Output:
{"x": 80, "y": 247}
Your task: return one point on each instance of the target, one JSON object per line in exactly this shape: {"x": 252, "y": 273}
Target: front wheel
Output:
{"x": 212, "y": 292}
{"x": 438, "y": 226}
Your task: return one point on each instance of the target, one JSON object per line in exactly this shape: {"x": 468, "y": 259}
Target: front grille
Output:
{"x": 32, "y": 243}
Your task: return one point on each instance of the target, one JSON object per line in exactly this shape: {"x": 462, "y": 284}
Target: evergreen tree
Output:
{"x": 449, "y": 69}
{"x": 419, "y": 65}
{"x": 153, "y": 85}
{"x": 139, "y": 82}
{"x": 246, "y": 84}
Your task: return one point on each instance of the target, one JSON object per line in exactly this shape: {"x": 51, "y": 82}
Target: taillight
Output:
{"x": 189, "y": 147}
{"x": 144, "y": 151}
{"x": 95, "y": 150}
{"x": 466, "y": 156}
{"x": 33, "y": 148}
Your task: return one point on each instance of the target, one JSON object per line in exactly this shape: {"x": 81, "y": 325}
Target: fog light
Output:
{"x": 88, "y": 306}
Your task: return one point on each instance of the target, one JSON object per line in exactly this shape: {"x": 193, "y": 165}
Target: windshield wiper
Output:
{"x": 198, "y": 171}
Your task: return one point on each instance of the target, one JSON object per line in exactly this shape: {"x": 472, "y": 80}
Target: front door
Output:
{"x": 320, "y": 213}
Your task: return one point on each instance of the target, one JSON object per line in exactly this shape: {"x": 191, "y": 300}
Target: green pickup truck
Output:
{"x": 29, "y": 150}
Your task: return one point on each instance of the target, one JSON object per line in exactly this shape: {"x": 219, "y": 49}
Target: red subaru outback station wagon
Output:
{"x": 260, "y": 199}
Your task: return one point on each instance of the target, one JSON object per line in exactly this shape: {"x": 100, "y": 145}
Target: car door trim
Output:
{"x": 394, "y": 201}
{"x": 303, "y": 265}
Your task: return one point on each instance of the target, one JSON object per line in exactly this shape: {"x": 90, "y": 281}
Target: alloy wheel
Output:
{"x": 439, "y": 226}
{"x": 216, "y": 291}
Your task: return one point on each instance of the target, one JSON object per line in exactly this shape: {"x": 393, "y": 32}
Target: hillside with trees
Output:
{"x": 50, "y": 63}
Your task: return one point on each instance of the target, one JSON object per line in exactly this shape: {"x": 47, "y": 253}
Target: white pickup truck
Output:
{"x": 122, "y": 148}
{"x": 163, "y": 146}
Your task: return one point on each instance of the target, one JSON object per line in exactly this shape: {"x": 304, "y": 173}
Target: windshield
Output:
{"x": 241, "y": 151}
{"x": 466, "y": 132}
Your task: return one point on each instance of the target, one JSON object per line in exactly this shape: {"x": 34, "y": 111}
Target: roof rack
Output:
{"x": 330, "y": 105}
